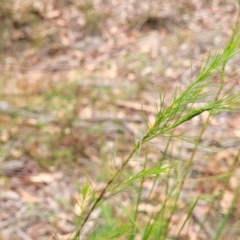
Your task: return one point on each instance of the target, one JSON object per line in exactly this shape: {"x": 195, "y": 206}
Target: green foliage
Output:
{"x": 202, "y": 95}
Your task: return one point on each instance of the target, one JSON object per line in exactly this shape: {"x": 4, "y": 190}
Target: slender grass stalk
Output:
{"x": 188, "y": 216}
{"x": 133, "y": 230}
{"x": 226, "y": 178}
{"x": 226, "y": 217}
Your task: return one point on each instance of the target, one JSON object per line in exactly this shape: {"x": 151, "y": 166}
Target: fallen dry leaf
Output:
{"x": 45, "y": 177}
{"x": 27, "y": 196}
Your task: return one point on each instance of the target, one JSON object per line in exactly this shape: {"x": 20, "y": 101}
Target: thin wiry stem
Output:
{"x": 104, "y": 191}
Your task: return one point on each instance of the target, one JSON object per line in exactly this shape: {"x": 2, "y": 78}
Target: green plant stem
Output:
{"x": 104, "y": 191}
{"x": 133, "y": 231}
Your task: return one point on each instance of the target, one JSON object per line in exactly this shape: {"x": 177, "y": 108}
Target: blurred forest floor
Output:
{"x": 76, "y": 77}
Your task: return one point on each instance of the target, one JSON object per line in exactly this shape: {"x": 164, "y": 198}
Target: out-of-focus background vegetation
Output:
{"x": 76, "y": 78}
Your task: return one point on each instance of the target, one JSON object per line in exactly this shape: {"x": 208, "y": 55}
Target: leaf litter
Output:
{"x": 76, "y": 76}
